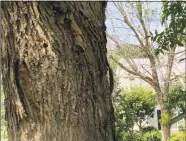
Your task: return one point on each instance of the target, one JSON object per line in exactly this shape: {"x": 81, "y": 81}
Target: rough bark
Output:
{"x": 55, "y": 71}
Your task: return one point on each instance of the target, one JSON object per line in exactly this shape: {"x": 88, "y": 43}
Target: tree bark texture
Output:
{"x": 55, "y": 71}
{"x": 165, "y": 127}
{"x": 165, "y": 132}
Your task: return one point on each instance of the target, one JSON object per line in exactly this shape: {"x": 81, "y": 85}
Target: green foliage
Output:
{"x": 133, "y": 106}
{"x": 140, "y": 100}
{"x": 166, "y": 119}
{"x": 178, "y": 136}
{"x": 175, "y": 98}
{"x": 175, "y": 32}
{"x": 153, "y": 135}
{"x": 148, "y": 129}
{"x": 131, "y": 136}
{"x": 182, "y": 127}
{"x": 132, "y": 51}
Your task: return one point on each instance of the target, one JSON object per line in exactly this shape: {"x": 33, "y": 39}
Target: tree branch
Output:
{"x": 125, "y": 17}
{"x": 150, "y": 49}
{"x": 178, "y": 118}
{"x": 136, "y": 73}
{"x": 140, "y": 18}
{"x": 182, "y": 59}
{"x": 130, "y": 62}
{"x": 170, "y": 62}
{"x": 146, "y": 70}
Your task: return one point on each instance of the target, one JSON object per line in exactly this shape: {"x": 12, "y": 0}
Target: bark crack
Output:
{"x": 19, "y": 89}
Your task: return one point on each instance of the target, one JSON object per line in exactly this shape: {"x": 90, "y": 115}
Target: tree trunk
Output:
{"x": 55, "y": 71}
{"x": 165, "y": 127}
{"x": 165, "y": 132}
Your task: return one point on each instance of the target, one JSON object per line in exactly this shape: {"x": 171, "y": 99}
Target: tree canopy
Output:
{"x": 133, "y": 107}
{"x": 174, "y": 18}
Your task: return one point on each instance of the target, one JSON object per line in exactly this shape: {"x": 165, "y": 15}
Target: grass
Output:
{"x": 178, "y": 136}
{"x": 3, "y": 139}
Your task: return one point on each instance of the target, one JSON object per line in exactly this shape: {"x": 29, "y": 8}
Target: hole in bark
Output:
{"x": 22, "y": 34}
{"x": 45, "y": 45}
{"x": 82, "y": 14}
{"x": 77, "y": 49}
{"x": 67, "y": 23}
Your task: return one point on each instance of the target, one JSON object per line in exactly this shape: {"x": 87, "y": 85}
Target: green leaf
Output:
{"x": 180, "y": 43}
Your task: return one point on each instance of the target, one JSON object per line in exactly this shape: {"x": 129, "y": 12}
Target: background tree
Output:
{"x": 174, "y": 17}
{"x": 133, "y": 107}
{"x": 55, "y": 70}
{"x": 176, "y": 100}
{"x": 137, "y": 18}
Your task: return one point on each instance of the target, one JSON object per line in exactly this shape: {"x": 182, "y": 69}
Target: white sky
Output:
{"x": 122, "y": 30}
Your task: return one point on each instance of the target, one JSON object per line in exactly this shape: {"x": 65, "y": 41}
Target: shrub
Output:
{"x": 178, "y": 136}
{"x": 132, "y": 136}
{"x": 148, "y": 129}
{"x": 182, "y": 127}
{"x": 153, "y": 135}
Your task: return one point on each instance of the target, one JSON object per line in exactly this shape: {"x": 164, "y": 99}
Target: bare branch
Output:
{"x": 140, "y": 18}
{"x": 146, "y": 70}
{"x": 170, "y": 62}
{"x": 151, "y": 54}
{"x": 131, "y": 62}
{"x": 129, "y": 24}
{"x": 118, "y": 44}
{"x": 181, "y": 52}
{"x": 136, "y": 73}
{"x": 182, "y": 59}
{"x": 178, "y": 118}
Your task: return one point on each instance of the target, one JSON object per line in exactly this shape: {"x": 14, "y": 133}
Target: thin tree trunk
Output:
{"x": 55, "y": 70}
{"x": 165, "y": 127}
{"x": 165, "y": 132}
